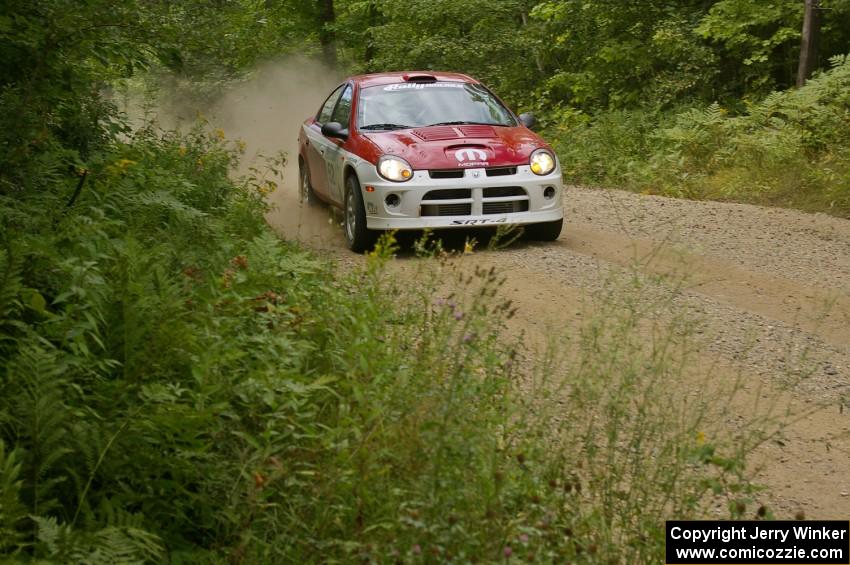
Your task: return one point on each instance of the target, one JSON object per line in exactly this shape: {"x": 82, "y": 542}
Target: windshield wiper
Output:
{"x": 383, "y": 126}
{"x": 464, "y": 123}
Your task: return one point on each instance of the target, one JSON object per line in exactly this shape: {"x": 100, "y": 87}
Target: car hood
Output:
{"x": 452, "y": 147}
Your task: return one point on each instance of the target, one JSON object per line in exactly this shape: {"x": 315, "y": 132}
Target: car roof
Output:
{"x": 375, "y": 79}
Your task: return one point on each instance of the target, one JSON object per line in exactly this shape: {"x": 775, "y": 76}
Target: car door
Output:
{"x": 334, "y": 152}
{"x": 317, "y": 145}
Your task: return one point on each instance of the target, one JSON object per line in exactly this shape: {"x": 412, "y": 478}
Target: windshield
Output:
{"x": 409, "y": 105}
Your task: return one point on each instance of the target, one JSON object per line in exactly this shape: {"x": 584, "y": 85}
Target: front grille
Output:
{"x": 501, "y": 171}
{"x": 448, "y": 194}
{"x": 446, "y": 174}
{"x": 459, "y": 173}
{"x": 506, "y": 207}
{"x": 446, "y": 209}
{"x": 501, "y": 191}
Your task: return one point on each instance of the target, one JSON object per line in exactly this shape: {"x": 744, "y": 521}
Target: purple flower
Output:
{"x": 439, "y": 301}
{"x": 507, "y": 552}
{"x": 458, "y": 315}
{"x": 467, "y": 338}
{"x": 523, "y": 538}
{"x": 417, "y": 549}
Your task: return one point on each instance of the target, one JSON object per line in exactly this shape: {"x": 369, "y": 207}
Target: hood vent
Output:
{"x": 477, "y": 131}
{"x": 441, "y": 133}
{"x": 436, "y": 133}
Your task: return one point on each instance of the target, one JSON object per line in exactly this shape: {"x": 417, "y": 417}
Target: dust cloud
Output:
{"x": 266, "y": 111}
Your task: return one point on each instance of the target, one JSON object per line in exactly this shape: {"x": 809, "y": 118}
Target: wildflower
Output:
{"x": 219, "y": 133}
{"x": 468, "y": 247}
{"x": 507, "y": 552}
{"x": 240, "y": 143}
{"x": 124, "y": 164}
{"x": 417, "y": 549}
{"x": 458, "y": 315}
{"x": 267, "y": 188}
{"x": 182, "y": 150}
{"x": 240, "y": 261}
{"x": 523, "y": 538}
{"x": 467, "y": 338}
{"x": 228, "y": 276}
{"x": 700, "y": 439}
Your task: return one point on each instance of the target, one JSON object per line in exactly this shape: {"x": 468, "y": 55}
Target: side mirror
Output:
{"x": 527, "y": 119}
{"x": 334, "y": 129}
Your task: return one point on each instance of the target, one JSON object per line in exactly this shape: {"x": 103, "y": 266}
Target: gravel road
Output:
{"x": 770, "y": 287}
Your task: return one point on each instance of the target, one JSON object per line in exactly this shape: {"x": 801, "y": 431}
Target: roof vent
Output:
{"x": 419, "y": 78}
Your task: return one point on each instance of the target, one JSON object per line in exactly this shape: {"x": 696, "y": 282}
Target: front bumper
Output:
{"x": 473, "y": 200}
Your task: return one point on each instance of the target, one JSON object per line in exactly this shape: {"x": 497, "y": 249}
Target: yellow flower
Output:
{"x": 468, "y": 247}
{"x": 123, "y": 164}
{"x": 700, "y": 438}
{"x": 241, "y": 145}
{"x": 182, "y": 150}
{"x": 219, "y": 133}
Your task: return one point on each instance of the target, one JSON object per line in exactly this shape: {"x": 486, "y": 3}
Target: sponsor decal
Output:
{"x": 371, "y": 208}
{"x": 421, "y": 85}
{"x": 471, "y": 157}
{"x": 479, "y": 222}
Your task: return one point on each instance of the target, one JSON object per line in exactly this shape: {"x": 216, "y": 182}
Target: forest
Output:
{"x": 177, "y": 383}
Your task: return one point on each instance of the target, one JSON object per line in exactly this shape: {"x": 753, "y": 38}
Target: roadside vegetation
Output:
{"x": 177, "y": 384}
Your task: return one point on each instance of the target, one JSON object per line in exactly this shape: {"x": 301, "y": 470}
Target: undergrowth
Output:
{"x": 791, "y": 148}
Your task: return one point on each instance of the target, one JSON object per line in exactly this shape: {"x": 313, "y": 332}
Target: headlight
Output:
{"x": 542, "y": 162}
{"x": 394, "y": 168}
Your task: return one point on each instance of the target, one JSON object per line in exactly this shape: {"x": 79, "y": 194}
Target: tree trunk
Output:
{"x": 372, "y": 16}
{"x": 327, "y": 37}
{"x": 809, "y": 44}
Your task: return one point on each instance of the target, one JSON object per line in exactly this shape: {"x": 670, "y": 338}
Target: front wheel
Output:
{"x": 305, "y": 189}
{"x": 545, "y": 231}
{"x": 358, "y": 237}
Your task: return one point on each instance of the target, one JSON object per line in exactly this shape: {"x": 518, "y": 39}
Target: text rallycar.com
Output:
{"x": 762, "y": 542}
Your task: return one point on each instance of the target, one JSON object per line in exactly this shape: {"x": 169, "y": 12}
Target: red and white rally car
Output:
{"x": 423, "y": 150}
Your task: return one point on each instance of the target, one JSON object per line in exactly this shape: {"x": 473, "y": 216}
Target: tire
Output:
{"x": 305, "y": 189}
{"x": 545, "y": 231}
{"x": 358, "y": 237}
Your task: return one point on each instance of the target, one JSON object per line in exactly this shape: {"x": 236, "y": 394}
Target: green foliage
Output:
{"x": 789, "y": 148}
{"x": 760, "y": 40}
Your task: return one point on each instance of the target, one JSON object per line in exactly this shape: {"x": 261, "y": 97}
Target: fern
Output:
{"x": 12, "y": 511}
{"x": 41, "y": 417}
{"x": 10, "y": 289}
{"x": 60, "y": 543}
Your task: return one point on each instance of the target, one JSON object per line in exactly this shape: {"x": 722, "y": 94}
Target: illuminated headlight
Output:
{"x": 542, "y": 162}
{"x": 394, "y": 168}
